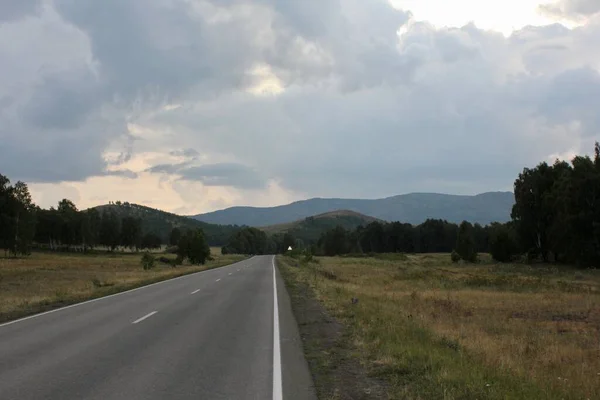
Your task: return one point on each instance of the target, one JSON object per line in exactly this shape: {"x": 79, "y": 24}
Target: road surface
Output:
{"x": 227, "y": 333}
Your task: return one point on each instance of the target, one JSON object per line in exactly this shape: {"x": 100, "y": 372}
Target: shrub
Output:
{"x": 147, "y": 261}
{"x": 455, "y": 257}
{"x": 502, "y": 246}
{"x": 465, "y": 243}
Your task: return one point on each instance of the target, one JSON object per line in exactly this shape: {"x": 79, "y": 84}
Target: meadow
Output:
{"x": 426, "y": 328}
{"x": 47, "y": 280}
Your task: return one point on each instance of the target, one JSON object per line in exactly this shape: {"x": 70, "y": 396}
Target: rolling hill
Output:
{"x": 413, "y": 208}
{"x": 310, "y": 229}
{"x": 161, "y": 222}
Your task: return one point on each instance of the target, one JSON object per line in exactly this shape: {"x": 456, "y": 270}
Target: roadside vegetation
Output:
{"x": 422, "y": 327}
{"x": 47, "y": 280}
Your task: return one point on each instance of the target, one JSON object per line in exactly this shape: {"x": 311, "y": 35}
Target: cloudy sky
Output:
{"x": 196, "y": 105}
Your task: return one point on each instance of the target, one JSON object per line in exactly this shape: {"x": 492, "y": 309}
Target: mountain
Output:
{"x": 161, "y": 222}
{"x": 413, "y": 208}
{"x": 310, "y": 229}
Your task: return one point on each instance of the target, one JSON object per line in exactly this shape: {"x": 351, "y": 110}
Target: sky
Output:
{"x": 196, "y": 105}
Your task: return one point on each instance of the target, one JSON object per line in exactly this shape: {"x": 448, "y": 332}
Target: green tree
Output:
{"x": 193, "y": 246}
{"x": 151, "y": 241}
{"x": 503, "y": 244}
{"x": 335, "y": 242}
{"x": 174, "y": 236}
{"x": 110, "y": 230}
{"x": 24, "y": 219}
{"x": 198, "y": 249}
{"x": 465, "y": 243}
{"x": 131, "y": 232}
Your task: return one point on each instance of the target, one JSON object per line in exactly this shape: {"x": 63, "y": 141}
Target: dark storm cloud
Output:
{"x": 167, "y": 168}
{"x": 11, "y": 10}
{"x": 364, "y": 111}
{"x": 188, "y": 153}
{"x": 225, "y": 174}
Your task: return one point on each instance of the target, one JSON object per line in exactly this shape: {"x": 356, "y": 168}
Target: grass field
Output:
{"x": 435, "y": 330}
{"x": 48, "y": 280}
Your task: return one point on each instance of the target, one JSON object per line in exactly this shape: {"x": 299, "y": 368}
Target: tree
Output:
{"x": 335, "y": 241}
{"x": 24, "y": 224}
{"x": 198, "y": 251}
{"x": 151, "y": 241}
{"x": 248, "y": 241}
{"x": 70, "y": 223}
{"x": 465, "y": 244}
{"x": 131, "y": 232}
{"x": 174, "y": 236}
{"x": 17, "y": 217}
{"x": 192, "y": 245}
{"x": 503, "y": 246}
{"x": 110, "y": 230}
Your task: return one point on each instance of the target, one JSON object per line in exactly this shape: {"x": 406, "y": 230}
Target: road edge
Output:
{"x": 297, "y": 380}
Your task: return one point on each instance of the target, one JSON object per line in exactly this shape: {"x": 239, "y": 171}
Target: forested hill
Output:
{"x": 161, "y": 222}
{"x": 412, "y": 208}
{"x": 310, "y": 229}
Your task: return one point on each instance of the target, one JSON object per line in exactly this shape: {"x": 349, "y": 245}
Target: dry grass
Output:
{"x": 439, "y": 330}
{"x": 47, "y": 280}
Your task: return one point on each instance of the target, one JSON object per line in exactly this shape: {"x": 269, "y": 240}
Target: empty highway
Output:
{"x": 226, "y": 333}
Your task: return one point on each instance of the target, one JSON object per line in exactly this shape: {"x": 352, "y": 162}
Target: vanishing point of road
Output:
{"x": 226, "y": 333}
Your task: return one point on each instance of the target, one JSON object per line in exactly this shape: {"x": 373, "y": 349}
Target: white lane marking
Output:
{"x": 277, "y": 389}
{"x": 229, "y": 273}
{"x": 218, "y": 280}
{"x": 116, "y": 294}
{"x": 195, "y": 291}
{"x": 144, "y": 317}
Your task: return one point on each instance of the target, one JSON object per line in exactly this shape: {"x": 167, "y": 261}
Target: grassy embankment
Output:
{"x": 45, "y": 281}
{"x": 429, "y": 329}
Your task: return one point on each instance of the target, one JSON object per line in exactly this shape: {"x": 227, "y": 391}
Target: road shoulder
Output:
{"x": 337, "y": 374}
{"x": 296, "y": 378}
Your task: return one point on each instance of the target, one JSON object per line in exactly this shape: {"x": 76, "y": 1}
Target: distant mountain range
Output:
{"x": 310, "y": 229}
{"x": 413, "y": 208}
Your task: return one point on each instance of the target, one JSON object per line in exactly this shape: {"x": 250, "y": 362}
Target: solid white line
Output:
{"x": 114, "y": 295}
{"x": 277, "y": 389}
{"x": 195, "y": 291}
{"x": 144, "y": 317}
{"x": 218, "y": 280}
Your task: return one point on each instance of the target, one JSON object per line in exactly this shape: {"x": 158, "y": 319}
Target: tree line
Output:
{"x": 255, "y": 241}
{"x": 24, "y": 225}
{"x": 555, "y": 218}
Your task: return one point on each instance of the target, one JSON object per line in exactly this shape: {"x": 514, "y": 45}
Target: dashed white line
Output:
{"x": 229, "y": 273}
{"x": 218, "y": 280}
{"x": 195, "y": 291}
{"x": 277, "y": 387}
{"x": 144, "y": 317}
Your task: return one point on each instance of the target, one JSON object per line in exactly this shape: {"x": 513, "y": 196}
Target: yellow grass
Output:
{"x": 466, "y": 331}
{"x": 45, "y": 280}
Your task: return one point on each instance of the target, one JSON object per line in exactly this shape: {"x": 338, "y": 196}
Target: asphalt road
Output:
{"x": 220, "y": 334}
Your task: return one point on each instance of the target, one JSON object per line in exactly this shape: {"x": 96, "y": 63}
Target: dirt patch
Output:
{"x": 328, "y": 349}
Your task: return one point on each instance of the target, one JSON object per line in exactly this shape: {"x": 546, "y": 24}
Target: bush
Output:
{"x": 465, "y": 243}
{"x": 503, "y": 246}
{"x": 147, "y": 261}
{"x": 455, "y": 257}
